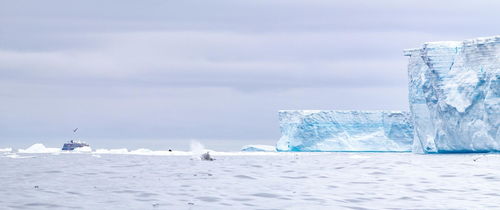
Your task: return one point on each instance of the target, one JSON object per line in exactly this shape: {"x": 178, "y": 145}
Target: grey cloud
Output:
{"x": 209, "y": 69}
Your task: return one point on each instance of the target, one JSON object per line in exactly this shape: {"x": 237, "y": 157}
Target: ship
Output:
{"x": 71, "y": 145}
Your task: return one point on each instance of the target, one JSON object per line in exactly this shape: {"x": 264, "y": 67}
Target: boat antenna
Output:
{"x": 74, "y": 133}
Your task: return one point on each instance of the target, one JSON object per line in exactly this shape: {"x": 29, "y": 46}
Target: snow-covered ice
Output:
{"x": 454, "y": 95}
{"x": 6, "y": 149}
{"x": 39, "y": 148}
{"x": 322, "y": 130}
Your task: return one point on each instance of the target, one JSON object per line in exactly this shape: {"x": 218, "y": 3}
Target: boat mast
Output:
{"x": 74, "y": 134}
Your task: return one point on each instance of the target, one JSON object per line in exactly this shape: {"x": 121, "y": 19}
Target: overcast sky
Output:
{"x": 159, "y": 73}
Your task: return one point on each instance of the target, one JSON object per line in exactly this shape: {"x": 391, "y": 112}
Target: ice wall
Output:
{"x": 454, "y": 90}
{"x": 308, "y": 130}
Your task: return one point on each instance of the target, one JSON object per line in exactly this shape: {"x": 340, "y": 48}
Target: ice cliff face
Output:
{"x": 454, "y": 94}
{"x": 304, "y": 130}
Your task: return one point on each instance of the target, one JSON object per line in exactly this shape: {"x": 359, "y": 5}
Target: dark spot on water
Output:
{"x": 53, "y": 172}
{"x": 145, "y": 200}
{"x": 361, "y": 182}
{"x": 241, "y": 199}
{"x": 90, "y": 173}
{"x": 46, "y": 205}
{"x": 156, "y": 204}
{"x": 244, "y": 177}
{"x": 313, "y": 199}
{"x": 118, "y": 177}
{"x": 433, "y": 190}
{"x": 146, "y": 194}
{"x": 265, "y": 195}
{"x": 267, "y": 209}
{"x": 208, "y": 198}
{"x": 406, "y": 198}
{"x": 354, "y": 207}
{"x": 126, "y": 191}
{"x": 352, "y": 200}
{"x": 256, "y": 166}
{"x": 190, "y": 203}
{"x": 377, "y": 173}
{"x": 294, "y": 177}
{"x": 73, "y": 193}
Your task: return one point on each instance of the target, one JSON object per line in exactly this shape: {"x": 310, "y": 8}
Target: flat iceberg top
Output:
{"x": 454, "y": 44}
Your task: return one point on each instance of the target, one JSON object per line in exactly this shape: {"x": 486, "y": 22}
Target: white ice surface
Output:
{"x": 6, "y": 149}
{"x": 39, "y": 148}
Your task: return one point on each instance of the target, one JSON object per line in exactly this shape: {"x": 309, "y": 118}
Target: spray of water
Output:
{"x": 197, "y": 149}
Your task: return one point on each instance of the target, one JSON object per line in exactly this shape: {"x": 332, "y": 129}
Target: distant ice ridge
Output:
{"x": 197, "y": 149}
{"x": 454, "y": 95}
{"x": 6, "y": 149}
{"x": 39, "y": 148}
{"x": 258, "y": 148}
{"x": 317, "y": 130}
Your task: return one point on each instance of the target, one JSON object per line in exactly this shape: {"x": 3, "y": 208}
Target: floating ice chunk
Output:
{"x": 16, "y": 156}
{"x": 82, "y": 150}
{"x": 258, "y": 148}
{"x": 454, "y": 92}
{"x": 5, "y": 149}
{"x": 305, "y": 130}
{"x": 39, "y": 148}
{"x": 112, "y": 151}
{"x": 143, "y": 151}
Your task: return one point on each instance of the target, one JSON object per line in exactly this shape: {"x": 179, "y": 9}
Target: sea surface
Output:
{"x": 239, "y": 180}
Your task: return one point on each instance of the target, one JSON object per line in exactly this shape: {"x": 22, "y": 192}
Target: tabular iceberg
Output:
{"x": 309, "y": 130}
{"x": 454, "y": 90}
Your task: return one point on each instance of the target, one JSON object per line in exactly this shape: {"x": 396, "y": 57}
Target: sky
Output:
{"x": 158, "y": 74}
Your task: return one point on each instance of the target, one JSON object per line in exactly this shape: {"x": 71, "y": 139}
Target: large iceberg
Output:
{"x": 314, "y": 130}
{"x": 454, "y": 92}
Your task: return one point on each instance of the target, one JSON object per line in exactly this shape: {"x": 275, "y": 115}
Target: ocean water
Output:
{"x": 92, "y": 180}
